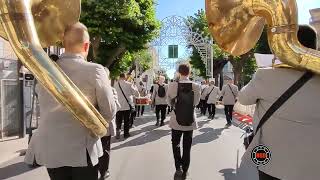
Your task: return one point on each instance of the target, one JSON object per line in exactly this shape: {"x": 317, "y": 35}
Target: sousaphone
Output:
{"x": 236, "y": 26}
{"x": 30, "y": 25}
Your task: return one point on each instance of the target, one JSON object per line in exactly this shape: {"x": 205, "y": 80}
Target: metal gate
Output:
{"x": 10, "y": 109}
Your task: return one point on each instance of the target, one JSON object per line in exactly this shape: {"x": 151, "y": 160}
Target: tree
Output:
{"x": 119, "y": 28}
{"x": 128, "y": 63}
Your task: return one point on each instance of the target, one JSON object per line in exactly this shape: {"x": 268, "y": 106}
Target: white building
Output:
{"x": 315, "y": 22}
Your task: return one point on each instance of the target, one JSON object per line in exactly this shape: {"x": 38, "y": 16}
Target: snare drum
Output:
{"x": 142, "y": 101}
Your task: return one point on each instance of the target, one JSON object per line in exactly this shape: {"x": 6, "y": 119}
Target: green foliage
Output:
{"x": 198, "y": 23}
{"x": 121, "y": 66}
{"x": 262, "y": 46}
{"x": 249, "y": 69}
{"x": 198, "y": 64}
{"x": 144, "y": 59}
{"x": 118, "y": 28}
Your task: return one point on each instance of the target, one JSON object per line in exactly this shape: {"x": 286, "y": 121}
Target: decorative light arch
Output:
{"x": 176, "y": 29}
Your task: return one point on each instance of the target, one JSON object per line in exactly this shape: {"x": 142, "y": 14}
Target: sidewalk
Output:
{"x": 12, "y": 148}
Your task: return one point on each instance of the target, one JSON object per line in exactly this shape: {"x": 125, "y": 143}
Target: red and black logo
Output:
{"x": 261, "y": 155}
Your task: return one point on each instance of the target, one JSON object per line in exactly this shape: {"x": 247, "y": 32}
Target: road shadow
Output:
{"x": 228, "y": 174}
{"x": 14, "y": 170}
{"x": 208, "y": 135}
{"x": 149, "y": 136}
{"x": 202, "y": 123}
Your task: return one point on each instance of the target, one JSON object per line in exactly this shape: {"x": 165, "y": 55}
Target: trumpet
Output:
{"x": 30, "y": 25}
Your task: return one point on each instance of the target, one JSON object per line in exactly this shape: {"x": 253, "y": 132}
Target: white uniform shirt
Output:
{"x": 172, "y": 93}
{"x": 293, "y": 132}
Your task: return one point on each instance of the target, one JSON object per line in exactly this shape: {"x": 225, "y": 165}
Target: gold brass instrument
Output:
{"x": 236, "y": 26}
{"x": 22, "y": 21}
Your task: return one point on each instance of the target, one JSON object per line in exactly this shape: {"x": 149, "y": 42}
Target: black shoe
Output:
{"x": 157, "y": 124}
{"x": 178, "y": 175}
{"x": 126, "y": 136}
{"x": 162, "y": 124}
{"x": 118, "y": 134}
{"x": 228, "y": 125}
{"x": 105, "y": 176}
{"x": 185, "y": 175}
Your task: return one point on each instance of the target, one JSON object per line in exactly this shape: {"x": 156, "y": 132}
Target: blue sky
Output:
{"x": 189, "y": 7}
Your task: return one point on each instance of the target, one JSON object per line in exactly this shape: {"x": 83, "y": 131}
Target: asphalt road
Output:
{"x": 147, "y": 155}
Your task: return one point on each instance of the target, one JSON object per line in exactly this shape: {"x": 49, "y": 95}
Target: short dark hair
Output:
{"x": 184, "y": 69}
{"x": 122, "y": 75}
{"x": 307, "y": 37}
{"x": 54, "y": 57}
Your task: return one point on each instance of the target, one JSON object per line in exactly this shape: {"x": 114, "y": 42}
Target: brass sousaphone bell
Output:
{"x": 236, "y": 26}
{"x": 30, "y": 25}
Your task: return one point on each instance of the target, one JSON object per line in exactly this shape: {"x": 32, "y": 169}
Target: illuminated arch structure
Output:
{"x": 176, "y": 30}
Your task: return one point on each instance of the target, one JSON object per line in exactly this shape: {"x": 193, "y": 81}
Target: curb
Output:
{"x": 11, "y": 157}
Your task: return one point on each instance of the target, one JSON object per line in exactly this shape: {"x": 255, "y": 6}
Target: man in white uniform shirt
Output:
{"x": 62, "y": 144}
{"x": 293, "y": 131}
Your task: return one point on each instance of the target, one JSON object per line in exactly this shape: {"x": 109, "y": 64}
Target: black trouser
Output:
{"x": 184, "y": 160}
{"x": 203, "y": 107}
{"x": 228, "y": 110}
{"x": 140, "y": 109}
{"x": 74, "y": 173}
{"x": 105, "y": 159}
{"x": 212, "y": 109}
{"x": 264, "y": 176}
{"x": 169, "y": 109}
{"x": 123, "y": 116}
{"x": 133, "y": 115}
{"x": 163, "y": 110}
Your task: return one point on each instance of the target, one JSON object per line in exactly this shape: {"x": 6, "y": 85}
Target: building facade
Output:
{"x": 315, "y": 22}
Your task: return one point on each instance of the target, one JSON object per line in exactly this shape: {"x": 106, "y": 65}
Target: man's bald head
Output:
{"x": 76, "y": 38}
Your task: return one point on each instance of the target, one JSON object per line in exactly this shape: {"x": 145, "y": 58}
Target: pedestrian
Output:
{"x": 63, "y": 145}
{"x": 292, "y": 131}
{"x": 183, "y": 96}
{"x": 104, "y": 160}
{"x": 159, "y": 100}
{"x": 229, "y": 95}
{"x": 212, "y": 96}
{"x": 203, "y": 103}
{"x": 143, "y": 93}
{"x": 125, "y": 91}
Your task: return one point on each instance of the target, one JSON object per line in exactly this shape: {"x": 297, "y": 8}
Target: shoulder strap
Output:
{"x": 232, "y": 91}
{"x": 203, "y": 90}
{"x": 284, "y": 97}
{"x": 211, "y": 91}
{"x": 124, "y": 95}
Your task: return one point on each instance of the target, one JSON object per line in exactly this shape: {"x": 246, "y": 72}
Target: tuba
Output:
{"x": 30, "y": 25}
{"x": 236, "y": 26}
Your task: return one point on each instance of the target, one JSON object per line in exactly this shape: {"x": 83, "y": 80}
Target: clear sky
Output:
{"x": 189, "y": 7}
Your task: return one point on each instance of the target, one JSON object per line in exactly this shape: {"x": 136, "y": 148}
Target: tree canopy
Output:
{"x": 118, "y": 28}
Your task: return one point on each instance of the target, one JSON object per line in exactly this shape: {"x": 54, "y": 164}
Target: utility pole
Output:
{"x": 20, "y": 101}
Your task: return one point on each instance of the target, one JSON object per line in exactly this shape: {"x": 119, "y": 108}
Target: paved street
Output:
{"x": 147, "y": 154}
